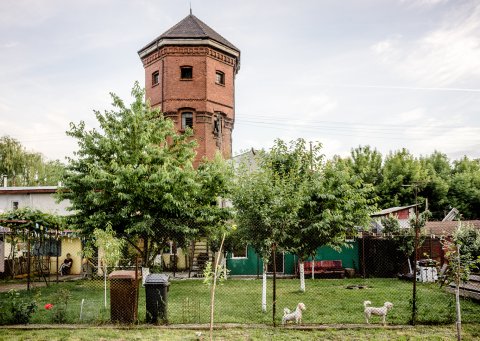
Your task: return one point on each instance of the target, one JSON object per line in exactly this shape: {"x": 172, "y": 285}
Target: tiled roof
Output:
{"x": 192, "y": 27}
{"x": 447, "y": 228}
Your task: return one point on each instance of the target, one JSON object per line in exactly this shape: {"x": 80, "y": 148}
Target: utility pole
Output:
{"x": 415, "y": 246}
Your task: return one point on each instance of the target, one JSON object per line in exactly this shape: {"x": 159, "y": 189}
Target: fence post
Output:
{"x": 274, "y": 283}
{"x": 457, "y": 296}
{"x": 415, "y": 245}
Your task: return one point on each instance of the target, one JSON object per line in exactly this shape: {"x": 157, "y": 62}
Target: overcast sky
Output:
{"x": 384, "y": 73}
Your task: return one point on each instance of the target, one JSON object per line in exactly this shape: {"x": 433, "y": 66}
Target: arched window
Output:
{"x": 187, "y": 120}
{"x": 217, "y": 124}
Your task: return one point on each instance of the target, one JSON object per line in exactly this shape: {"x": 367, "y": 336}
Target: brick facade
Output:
{"x": 210, "y": 102}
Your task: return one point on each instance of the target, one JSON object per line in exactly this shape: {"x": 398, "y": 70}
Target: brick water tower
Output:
{"x": 190, "y": 74}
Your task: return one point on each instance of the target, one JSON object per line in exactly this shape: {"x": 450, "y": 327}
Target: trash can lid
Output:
{"x": 156, "y": 279}
{"x": 122, "y": 274}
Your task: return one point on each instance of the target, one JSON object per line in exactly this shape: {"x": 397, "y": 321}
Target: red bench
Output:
{"x": 324, "y": 268}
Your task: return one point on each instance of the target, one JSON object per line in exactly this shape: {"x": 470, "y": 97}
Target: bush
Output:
{"x": 16, "y": 309}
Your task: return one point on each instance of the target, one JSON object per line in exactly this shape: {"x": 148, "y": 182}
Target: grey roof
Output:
{"x": 391, "y": 210}
{"x": 192, "y": 28}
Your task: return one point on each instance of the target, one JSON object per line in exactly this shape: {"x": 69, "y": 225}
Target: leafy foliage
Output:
{"x": 32, "y": 219}
{"x": 294, "y": 200}
{"x": 442, "y": 184}
{"x": 16, "y": 309}
{"x": 463, "y": 254}
{"x": 109, "y": 244}
{"x": 136, "y": 173}
{"x": 59, "y": 310}
{"x": 24, "y": 168}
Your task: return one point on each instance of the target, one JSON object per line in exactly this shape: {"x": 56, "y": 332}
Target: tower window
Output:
{"x": 186, "y": 72}
{"x": 217, "y": 124}
{"x": 155, "y": 78}
{"x": 187, "y": 120}
{"x": 220, "y": 77}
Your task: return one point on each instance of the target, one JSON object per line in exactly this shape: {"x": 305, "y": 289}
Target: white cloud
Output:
{"x": 423, "y": 3}
{"x": 444, "y": 56}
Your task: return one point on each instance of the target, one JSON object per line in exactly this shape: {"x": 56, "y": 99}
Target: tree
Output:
{"x": 111, "y": 252}
{"x": 333, "y": 204}
{"x": 401, "y": 169}
{"x": 464, "y": 191}
{"x": 437, "y": 166}
{"x": 266, "y": 202}
{"x": 298, "y": 203}
{"x": 136, "y": 173}
{"x": 23, "y": 168}
{"x": 367, "y": 164}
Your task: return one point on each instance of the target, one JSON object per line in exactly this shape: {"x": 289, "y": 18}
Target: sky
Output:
{"x": 391, "y": 74}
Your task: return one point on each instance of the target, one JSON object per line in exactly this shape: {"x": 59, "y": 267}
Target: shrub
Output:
{"x": 16, "y": 309}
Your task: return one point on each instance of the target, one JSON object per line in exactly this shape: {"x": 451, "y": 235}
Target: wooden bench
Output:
{"x": 469, "y": 289}
{"x": 324, "y": 268}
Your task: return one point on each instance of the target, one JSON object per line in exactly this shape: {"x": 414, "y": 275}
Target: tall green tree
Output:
{"x": 266, "y": 200}
{"x": 464, "y": 190}
{"x": 437, "y": 166}
{"x": 24, "y": 168}
{"x": 366, "y": 163}
{"x": 334, "y": 202}
{"x": 400, "y": 171}
{"x": 136, "y": 173}
{"x": 298, "y": 203}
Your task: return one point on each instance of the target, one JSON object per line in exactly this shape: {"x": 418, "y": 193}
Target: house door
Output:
{"x": 279, "y": 260}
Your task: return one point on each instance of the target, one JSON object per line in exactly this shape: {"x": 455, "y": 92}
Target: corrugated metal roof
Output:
{"x": 392, "y": 210}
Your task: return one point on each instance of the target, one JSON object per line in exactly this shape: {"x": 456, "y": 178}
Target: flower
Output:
{"x": 48, "y": 306}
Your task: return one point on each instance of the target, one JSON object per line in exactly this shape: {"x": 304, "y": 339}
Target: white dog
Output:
{"x": 296, "y": 315}
{"x": 380, "y": 311}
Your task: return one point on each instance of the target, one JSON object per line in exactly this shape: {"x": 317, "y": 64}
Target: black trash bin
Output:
{"x": 156, "y": 288}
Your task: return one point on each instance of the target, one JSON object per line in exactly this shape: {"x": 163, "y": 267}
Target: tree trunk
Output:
{"x": 302, "y": 275}
{"x": 457, "y": 297}
{"x": 264, "y": 287}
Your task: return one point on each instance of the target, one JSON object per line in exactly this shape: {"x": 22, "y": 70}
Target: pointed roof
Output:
{"x": 191, "y": 28}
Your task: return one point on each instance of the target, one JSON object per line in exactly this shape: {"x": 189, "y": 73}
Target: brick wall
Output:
{"x": 201, "y": 94}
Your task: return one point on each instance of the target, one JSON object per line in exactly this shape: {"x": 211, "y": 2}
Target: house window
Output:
{"x": 49, "y": 247}
{"x": 15, "y": 205}
{"x": 240, "y": 251}
{"x": 220, "y": 77}
{"x": 155, "y": 78}
{"x": 187, "y": 120}
{"x": 186, "y": 72}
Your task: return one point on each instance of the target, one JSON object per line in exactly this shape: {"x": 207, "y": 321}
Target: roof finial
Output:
{"x": 190, "y": 8}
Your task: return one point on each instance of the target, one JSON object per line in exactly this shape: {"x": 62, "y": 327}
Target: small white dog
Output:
{"x": 296, "y": 315}
{"x": 379, "y": 311}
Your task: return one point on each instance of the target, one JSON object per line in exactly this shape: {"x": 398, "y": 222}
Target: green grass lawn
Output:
{"x": 444, "y": 332}
{"x": 239, "y": 301}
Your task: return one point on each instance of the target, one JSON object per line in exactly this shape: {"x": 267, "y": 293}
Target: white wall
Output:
{"x": 44, "y": 202}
